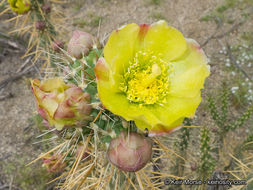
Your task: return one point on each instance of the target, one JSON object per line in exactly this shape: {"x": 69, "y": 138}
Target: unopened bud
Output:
{"x": 86, "y": 152}
{"x": 40, "y": 25}
{"x": 130, "y": 151}
{"x": 57, "y": 45}
{"x": 214, "y": 130}
{"x": 54, "y": 163}
{"x": 46, "y": 8}
{"x": 80, "y": 44}
{"x": 193, "y": 166}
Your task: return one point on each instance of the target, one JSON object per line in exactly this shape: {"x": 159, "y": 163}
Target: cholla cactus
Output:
{"x": 80, "y": 44}
{"x": 62, "y": 105}
{"x": 130, "y": 152}
{"x": 120, "y": 85}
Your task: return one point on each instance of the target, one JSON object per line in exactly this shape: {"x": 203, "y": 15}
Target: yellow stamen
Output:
{"x": 146, "y": 80}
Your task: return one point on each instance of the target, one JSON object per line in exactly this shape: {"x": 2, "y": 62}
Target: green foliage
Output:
{"x": 80, "y": 22}
{"x": 206, "y": 18}
{"x": 3, "y": 5}
{"x": 184, "y": 136}
{"x": 214, "y": 111}
{"x": 248, "y": 143}
{"x": 182, "y": 144}
{"x": 27, "y": 177}
{"x": 155, "y": 2}
{"x": 207, "y": 162}
{"x": 222, "y": 8}
{"x": 247, "y": 36}
{"x": 241, "y": 120}
{"x": 224, "y": 12}
{"x": 157, "y": 16}
{"x": 249, "y": 185}
{"x": 106, "y": 139}
{"x": 224, "y": 103}
{"x": 95, "y": 21}
{"x": 220, "y": 117}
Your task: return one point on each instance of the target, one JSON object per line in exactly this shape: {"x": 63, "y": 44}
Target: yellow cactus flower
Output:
{"x": 151, "y": 74}
{"x": 60, "y": 104}
{"x": 20, "y": 6}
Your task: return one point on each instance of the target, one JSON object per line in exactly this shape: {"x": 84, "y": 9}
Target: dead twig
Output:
{"x": 214, "y": 36}
{"x": 3, "y": 187}
{"x": 28, "y": 60}
{"x": 3, "y": 97}
{"x": 10, "y": 185}
{"x": 11, "y": 44}
{"x": 233, "y": 61}
{"x": 15, "y": 77}
{"x": 157, "y": 164}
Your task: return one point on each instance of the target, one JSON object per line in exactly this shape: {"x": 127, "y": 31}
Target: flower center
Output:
{"x": 146, "y": 80}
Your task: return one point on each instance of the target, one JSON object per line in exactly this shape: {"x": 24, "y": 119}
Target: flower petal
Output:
{"x": 50, "y": 105}
{"x": 165, "y": 40}
{"x": 162, "y": 119}
{"x": 52, "y": 84}
{"x": 121, "y": 47}
{"x": 189, "y": 72}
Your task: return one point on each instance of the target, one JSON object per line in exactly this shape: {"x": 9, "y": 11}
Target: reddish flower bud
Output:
{"x": 193, "y": 166}
{"x": 86, "y": 152}
{"x": 130, "y": 152}
{"x": 214, "y": 130}
{"x": 57, "y": 45}
{"x": 40, "y": 25}
{"x": 54, "y": 163}
{"x": 46, "y": 8}
{"x": 80, "y": 44}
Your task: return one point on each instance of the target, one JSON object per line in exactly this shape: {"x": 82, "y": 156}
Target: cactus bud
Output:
{"x": 193, "y": 166}
{"x": 40, "y": 25}
{"x": 130, "y": 152}
{"x": 80, "y": 44}
{"x": 53, "y": 163}
{"x": 62, "y": 105}
{"x": 214, "y": 130}
{"x": 86, "y": 152}
{"x": 57, "y": 45}
{"x": 46, "y": 8}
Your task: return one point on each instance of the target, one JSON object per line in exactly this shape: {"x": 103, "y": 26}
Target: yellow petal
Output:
{"x": 189, "y": 73}
{"x": 105, "y": 78}
{"x": 121, "y": 47}
{"x": 53, "y": 84}
{"x": 165, "y": 40}
{"x": 58, "y": 125}
{"x": 162, "y": 119}
{"x": 50, "y": 105}
{"x": 175, "y": 110}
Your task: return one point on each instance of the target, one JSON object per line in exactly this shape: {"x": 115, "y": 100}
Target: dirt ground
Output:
{"x": 16, "y": 135}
